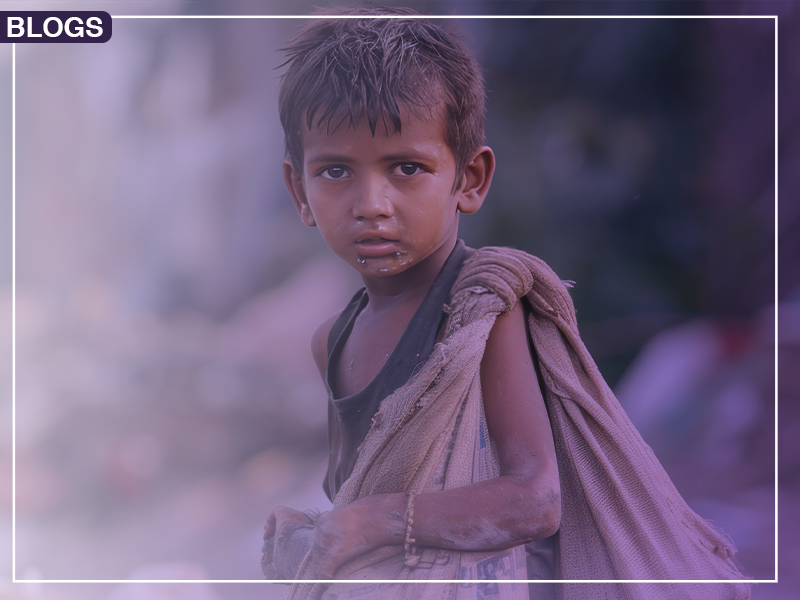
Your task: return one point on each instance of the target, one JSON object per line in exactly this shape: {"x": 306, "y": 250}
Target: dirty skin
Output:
{"x": 508, "y": 525}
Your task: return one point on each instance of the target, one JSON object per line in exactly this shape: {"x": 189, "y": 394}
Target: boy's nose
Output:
{"x": 372, "y": 200}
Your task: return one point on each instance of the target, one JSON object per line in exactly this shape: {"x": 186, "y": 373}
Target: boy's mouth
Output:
{"x": 373, "y": 247}
{"x": 373, "y": 240}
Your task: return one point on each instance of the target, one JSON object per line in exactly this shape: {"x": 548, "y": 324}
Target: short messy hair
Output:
{"x": 352, "y": 69}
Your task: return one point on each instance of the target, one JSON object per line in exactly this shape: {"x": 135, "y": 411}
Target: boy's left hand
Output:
{"x": 288, "y": 535}
{"x": 347, "y": 532}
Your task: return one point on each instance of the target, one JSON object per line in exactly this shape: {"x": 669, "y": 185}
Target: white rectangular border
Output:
{"x": 259, "y": 581}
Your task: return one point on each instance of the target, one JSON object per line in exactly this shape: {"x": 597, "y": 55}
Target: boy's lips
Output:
{"x": 371, "y": 247}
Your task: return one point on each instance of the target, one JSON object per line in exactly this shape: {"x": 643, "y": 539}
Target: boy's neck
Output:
{"x": 414, "y": 282}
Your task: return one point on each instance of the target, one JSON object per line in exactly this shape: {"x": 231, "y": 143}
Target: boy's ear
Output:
{"x": 294, "y": 183}
{"x": 476, "y": 180}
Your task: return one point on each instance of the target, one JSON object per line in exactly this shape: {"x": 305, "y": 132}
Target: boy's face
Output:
{"x": 385, "y": 202}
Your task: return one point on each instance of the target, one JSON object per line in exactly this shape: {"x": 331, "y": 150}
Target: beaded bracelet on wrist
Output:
{"x": 409, "y": 544}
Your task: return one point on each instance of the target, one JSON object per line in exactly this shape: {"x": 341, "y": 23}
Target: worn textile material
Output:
{"x": 622, "y": 518}
{"x": 349, "y": 418}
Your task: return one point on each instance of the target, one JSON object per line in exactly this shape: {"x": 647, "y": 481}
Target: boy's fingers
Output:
{"x": 269, "y": 527}
{"x": 268, "y": 549}
{"x": 266, "y": 558}
{"x": 279, "y": 514}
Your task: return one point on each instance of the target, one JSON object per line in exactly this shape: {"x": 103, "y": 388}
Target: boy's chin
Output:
{"x": 381, "y": 268}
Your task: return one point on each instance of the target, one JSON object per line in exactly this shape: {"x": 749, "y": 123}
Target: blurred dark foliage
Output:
{"x": 636, "y": 165}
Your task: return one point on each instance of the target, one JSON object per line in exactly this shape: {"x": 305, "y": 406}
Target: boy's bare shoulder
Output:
{"x": 319, "y": 344}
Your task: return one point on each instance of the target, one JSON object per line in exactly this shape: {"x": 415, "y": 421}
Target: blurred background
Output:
{"x": 166, "y": 291}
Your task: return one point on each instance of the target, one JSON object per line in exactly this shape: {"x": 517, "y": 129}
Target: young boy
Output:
{"x": 463, "y": 422}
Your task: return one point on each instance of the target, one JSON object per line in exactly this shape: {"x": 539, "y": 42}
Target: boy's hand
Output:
{"x": 338, "y": 537}
{"x": 347, "y": 532}
{"x": 288, "y": 535}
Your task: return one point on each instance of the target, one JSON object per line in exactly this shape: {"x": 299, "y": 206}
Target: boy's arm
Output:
{"x": 319, "y": 344}
{"x": 521, "y": 505}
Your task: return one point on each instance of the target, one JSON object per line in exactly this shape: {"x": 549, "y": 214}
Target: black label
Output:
{"x": 51, "y": 26}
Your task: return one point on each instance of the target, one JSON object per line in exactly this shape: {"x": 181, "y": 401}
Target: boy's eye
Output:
{"x": 408, "y": 168}
{"x": 334, "y": 172}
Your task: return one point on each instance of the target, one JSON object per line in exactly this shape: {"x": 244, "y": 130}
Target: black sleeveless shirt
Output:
{"x": 350, "y": 418}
